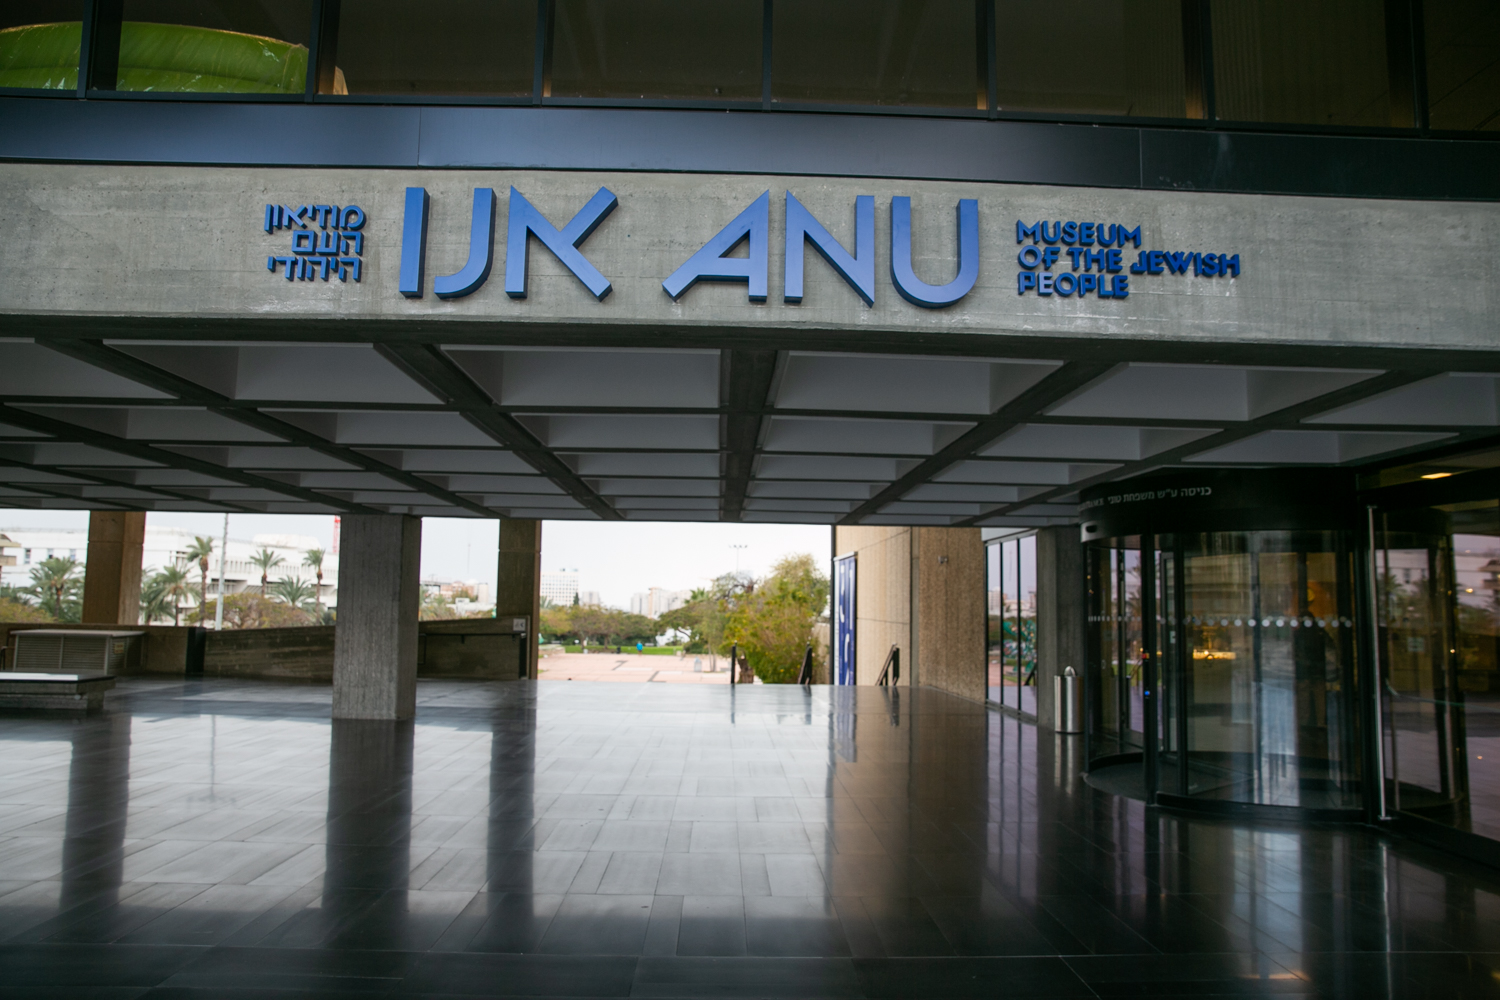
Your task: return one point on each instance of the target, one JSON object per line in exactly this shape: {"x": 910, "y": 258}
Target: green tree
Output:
{"x": 165, "y": 589}
{"x": 772, "y": 623}
{"x": 313, "y": 559}
{"x": 58, "y": 587}
{"x": 293, "y": 590}
{"x": 435, "y": 606}
{"x": 199, "y": 552}
{"x": 265, "y": 560}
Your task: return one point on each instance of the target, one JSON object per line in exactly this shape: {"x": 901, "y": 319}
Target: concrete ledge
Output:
{"x": 67, "y": 692}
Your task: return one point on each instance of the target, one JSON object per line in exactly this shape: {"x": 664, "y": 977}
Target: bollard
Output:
{"x": 1067, "y": 703}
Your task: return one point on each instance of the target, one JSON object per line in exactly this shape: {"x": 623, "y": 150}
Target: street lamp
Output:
{"x": 737, "y": 549}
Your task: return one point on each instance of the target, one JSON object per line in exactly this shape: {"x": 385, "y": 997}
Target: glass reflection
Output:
{"x": 1010, "y": 612}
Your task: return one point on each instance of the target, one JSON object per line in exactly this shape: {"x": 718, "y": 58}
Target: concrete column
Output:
{"x": 1061, "y": 611}
{"x": 112, "y": 577}
{"x": 518, "y": 580}
{"x": 375, "y": 643}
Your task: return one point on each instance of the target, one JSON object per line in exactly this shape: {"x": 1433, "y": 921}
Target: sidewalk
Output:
{"x": 630, "y": 668}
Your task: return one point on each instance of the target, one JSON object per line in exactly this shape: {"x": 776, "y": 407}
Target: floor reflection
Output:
{"x": 575, "y": 839}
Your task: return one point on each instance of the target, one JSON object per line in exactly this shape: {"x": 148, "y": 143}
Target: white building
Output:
{"x": 657, "y": 601}
{"x": 560, "y": 587}
{"x": 166, "y": 546}
{"x": 590, "y": 599}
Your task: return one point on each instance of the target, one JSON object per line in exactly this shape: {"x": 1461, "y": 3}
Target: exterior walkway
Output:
{"x": 631, "y": 668}
{"x": 222, "y": 839}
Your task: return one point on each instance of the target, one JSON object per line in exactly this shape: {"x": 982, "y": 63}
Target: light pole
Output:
{"x": 737, "y": 550}
{"x": 223, "y": 557}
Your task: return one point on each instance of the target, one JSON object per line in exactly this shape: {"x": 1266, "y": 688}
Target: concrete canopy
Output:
{"x": 164, "y": 369}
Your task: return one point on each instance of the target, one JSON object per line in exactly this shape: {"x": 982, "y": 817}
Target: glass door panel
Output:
{"x": 1026, "y": 624}
{"x": 994, "y": 622}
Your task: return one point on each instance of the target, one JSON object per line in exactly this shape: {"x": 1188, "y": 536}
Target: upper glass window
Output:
{"x": 894, "y": 52}
{"x": 657, "y": 49}
{"x": 1297, "y": 62}
{"x": 1463, "y": 64}
{"x": 454, "y": 47}
{"x": 1115, "y": 57}
{"x": 39, "y": 44}
{"x": 214, "y": 46}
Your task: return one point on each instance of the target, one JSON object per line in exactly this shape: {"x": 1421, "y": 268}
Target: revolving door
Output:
{"x": 1221, "y": 657}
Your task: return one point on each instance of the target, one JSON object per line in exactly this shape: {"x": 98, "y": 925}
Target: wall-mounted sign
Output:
{"x": 334, "y": 249}
{"x": 1099, "y": 249}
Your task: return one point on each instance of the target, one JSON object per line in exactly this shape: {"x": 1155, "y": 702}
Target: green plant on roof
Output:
{"x": 172, "y": 58}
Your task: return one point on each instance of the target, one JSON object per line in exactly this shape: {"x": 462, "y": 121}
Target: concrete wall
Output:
{"x": 188, "y": 242}
{"x": 304, "y": 654}
{"x": 934, "y": 576}
{"x": 1061, "y": 612}
{"x": 164, "y": 649}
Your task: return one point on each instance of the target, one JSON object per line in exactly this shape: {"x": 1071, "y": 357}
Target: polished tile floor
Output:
{"x": 223, "y": 839}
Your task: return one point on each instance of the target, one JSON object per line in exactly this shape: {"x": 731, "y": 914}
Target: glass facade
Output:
{"x": 39, "y": 44}
{"x": 912, "y": 53}
{"x": 213, "y": 47}
{"x": 449, "y": 47}
{"x": 1228, "y": 660}
{"x": 1010, "y": 623}
{"x": 1303, "y": 63}
{"x": 1437, "y": 592}
{"x": 1463, "y": 64}
{"x": 1151, "y": 82}
{"x": 657, "y": 49}
{"x": 1241, "y": 62}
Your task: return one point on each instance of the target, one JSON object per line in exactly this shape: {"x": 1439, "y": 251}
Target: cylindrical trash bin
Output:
{"x": 1068, "y": 702}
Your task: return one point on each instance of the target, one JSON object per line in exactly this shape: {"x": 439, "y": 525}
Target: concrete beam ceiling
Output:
{"x": 749, "y": 433}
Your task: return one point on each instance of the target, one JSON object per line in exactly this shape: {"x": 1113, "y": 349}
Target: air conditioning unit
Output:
{"x": 72, "y": 651}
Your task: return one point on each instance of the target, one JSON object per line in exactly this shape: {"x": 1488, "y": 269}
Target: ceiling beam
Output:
{"x": 440, "y": 375}
{"x": 745, "y": 380}
{"x": 1062, "y": 383}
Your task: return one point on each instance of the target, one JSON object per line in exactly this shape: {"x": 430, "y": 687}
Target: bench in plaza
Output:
{"x": 80, "y": 692}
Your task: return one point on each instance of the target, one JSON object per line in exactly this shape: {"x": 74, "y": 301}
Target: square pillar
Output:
{"x": 1061, "y": 612}
{"x": 518, "y": 579}
{"x": 112, "y": 575}
{"x": 375, "y": 643}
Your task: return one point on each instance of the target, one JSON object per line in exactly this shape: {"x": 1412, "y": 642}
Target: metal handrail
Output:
{"x": 891, "y": 672}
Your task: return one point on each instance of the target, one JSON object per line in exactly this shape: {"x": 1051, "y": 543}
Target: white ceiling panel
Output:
{"x": 664, "y": 503}
{"x": 701, "y": 465}
{"x": 869, "y": 437}
{"x": 506, "y": 484}
{"x": 546, "y": 514}
{"x": 615, "y": 430}
{"x": 812, "y": 490}
{"x": 1064, "y": 441}
{"x": 322, "y": 373}
{"x": 1456, "y": 400}
{"x": 482, "y": 461}
{"x": 386, "y": 428}
{"x": 656, "y": 487}
{"x": 1027, "y": 473}
{"x": 951, "y": 509}
{"x": 557, "y": 502}
{"x": 10, "y": 431}
{"x": 910, "y": 520}
{"x": 155, "y": 423}
{"x": 809, "y": 506}
{"x": 965, "y": 493}
{"x": 904, "y": 384}
{"x": 652, "y": 379}
{"x": 1201, "y": 392}
{"x": 70, "y": 454}
{"x": 341, "y": 481}
{"x": 832, "y": 467}
{"x": 1314, "y": 447}
{"x": 20, "y": 474}
{"x": 28, "y": 369}
{"x": 788, "y": 517}
{"x": 292, "y": 457}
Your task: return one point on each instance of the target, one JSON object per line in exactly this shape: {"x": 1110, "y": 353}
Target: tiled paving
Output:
{"x": 224, "y": 839}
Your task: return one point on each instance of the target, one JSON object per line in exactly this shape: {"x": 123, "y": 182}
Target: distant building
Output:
{"x": 658, "y": 601}
{"x": 590, "y": 599}
{"x": 560, "y": 587}
{"x": 166, "y": 546}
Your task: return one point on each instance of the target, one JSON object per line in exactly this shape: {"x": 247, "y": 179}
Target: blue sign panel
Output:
{"x": 334, "y": 249}
{"x": 844, "y": 577}
{"x": 1099, "y": 249}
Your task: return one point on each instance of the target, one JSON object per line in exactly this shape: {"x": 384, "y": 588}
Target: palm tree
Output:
{"x": 200, "y": 550}
{"x": 58, "y": 588}
{"x": 293, "y": 590}
{"x": 167, "y": 587}
{"x": 265, "y": 560}
{"x": 313, "y": 558}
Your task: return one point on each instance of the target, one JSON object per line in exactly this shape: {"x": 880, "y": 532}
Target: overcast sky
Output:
{"x": 615, "y": 559}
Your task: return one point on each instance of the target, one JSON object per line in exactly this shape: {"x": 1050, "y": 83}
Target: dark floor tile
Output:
{"x": 522, "y": 975}
{"x": 746, "y": 977}
{"x": 1093, "y": 926}
{"x": 712, "y": 925}
{"x": 1179, "y": 975}
{"x": 969, "y": 977}
{"x": 1398, "y": 974}
{"x": 906, "y": 927}
{"x": 515, "y": 922}
{"x": 793, "y": 926}
{"x": 86, "y": 965}
{"x": 986, "y": 925}
{"x": 598, "y": 925}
